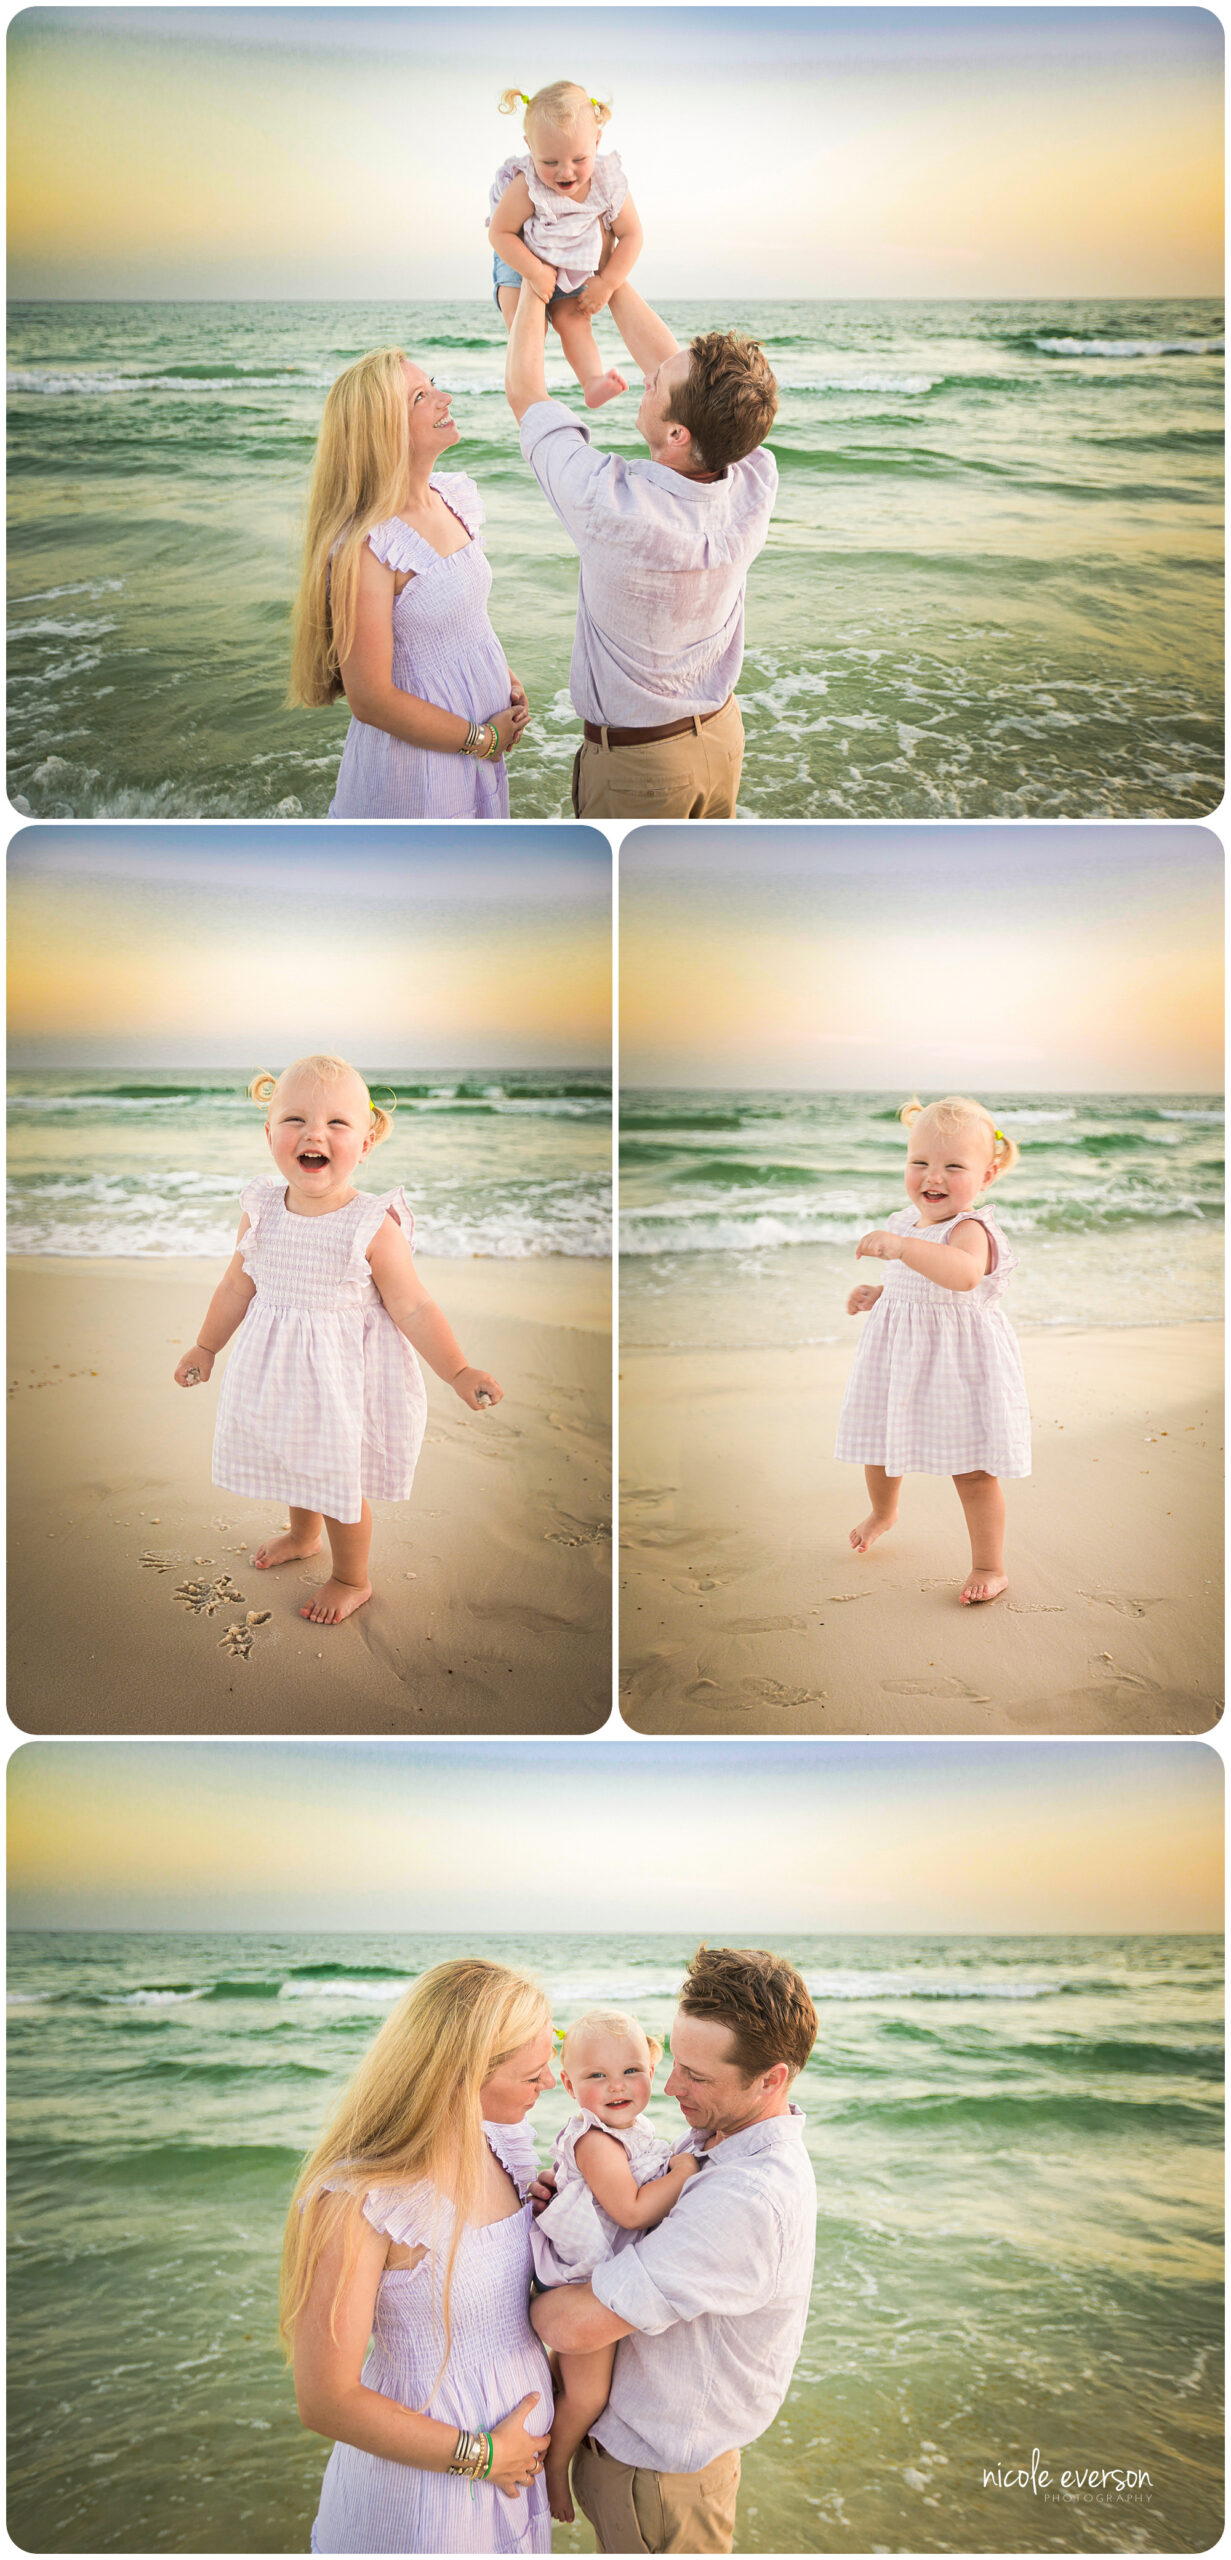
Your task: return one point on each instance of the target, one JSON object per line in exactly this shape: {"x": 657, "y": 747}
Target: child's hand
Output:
{"x": 862, "y": 1298}
{"x": 477, "y": 1388}
{"x": 593, "y": 298}
{"x": 882, "y": 1244}
{"x": 195, "y": 1367}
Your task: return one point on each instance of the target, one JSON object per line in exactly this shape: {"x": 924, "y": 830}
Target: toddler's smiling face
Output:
{"x": 565, "y": 161}
{"x": 946, "y": 1169}
{"x": 609, "y": 2070}
{"x": 318, "y": 1134}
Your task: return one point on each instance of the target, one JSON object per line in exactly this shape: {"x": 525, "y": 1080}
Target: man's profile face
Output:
{"x": 656, "y": 398}
{"x": 706, "y": 2081}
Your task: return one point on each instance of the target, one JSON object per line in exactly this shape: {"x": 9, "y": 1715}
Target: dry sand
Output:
{"x": 742, "y": 1608}
{"x": 491, "y": 1587}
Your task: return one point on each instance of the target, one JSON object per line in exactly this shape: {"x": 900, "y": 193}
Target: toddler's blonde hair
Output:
{"x": 560, "y": 105}
{"x": 603, "y": 2018}
{"x": 323, "y": 1070}
{"x": 960, "y": 1111}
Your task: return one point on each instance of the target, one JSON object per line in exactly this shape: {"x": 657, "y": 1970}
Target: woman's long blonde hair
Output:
{"x": 411, "y": 2114}
{"x": 959, "y": 1111}
{"x": 358, "y": 480}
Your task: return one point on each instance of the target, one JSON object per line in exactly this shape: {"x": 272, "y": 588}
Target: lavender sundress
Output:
{"x": 937, "y": 1388}
{"x": 369, "y": 2504}
{"x": 323, "y": 1399}
{"x": 445, "y": 652}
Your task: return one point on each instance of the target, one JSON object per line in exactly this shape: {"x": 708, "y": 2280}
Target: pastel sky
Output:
{"x": 188, "y": 945}
{"x": 1077, "y": 959}
{"x": 346, "y": 153}
{"x": 928, "y": 1836}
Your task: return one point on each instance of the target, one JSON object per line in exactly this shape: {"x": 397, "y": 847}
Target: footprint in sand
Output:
{"x": 155, "y": 1564}
{"x": 764, "y": 1626}
{"x": 204, "y": 1598}
{"x": 238, "y": 1638}
{"x": 646, "y": 1497}
{"x": 584, "y": 1533}
{"x": 944, "y": 1688}
{"x": 772, "y": 1693}
{"x": 1126, "y": 1602}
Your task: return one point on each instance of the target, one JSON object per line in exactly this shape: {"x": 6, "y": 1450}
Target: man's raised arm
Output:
{"x": 647, "y": 338}
{"x": 525, "y": 365}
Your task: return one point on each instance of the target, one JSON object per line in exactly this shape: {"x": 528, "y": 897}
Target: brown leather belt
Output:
{"x": 650, "y": 737}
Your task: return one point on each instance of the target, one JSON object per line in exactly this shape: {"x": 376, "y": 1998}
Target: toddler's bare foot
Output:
{"x": 558, "y": 2496}
{"x": 871, "y": 1529}
{"x": 283, "y": 1550}
{"x": 982, "y": 1585}
{"x": 605, "y": 386}
{"x": 334, "y": 1601}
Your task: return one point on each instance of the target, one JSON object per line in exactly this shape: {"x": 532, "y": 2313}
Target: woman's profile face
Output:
{"x": 431, "y": 429}
{"x": 514, "y": 2085}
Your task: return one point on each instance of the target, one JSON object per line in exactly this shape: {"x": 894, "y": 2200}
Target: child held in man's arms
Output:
{"x": 614, "y": 2178}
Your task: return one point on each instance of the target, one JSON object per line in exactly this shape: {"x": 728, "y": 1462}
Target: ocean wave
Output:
{"x": 1130, "y": 347}
{"x": 96, "y": 386}
{"x": 907, "y": 386}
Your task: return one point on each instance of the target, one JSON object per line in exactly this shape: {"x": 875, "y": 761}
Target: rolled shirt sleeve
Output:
{"x": 557, "y": 447}
{"x": 720, "y": 2255}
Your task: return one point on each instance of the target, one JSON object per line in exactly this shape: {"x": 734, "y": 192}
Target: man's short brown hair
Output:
{"x": 760, "y": 1998}
{"x": 727, "y": 401}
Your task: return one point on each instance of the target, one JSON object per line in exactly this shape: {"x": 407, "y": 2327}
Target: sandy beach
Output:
{"x": 744, "y": 1610}
{"x": 490, "y": 1609}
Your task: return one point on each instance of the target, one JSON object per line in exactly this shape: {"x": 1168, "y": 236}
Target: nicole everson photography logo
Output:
{"x": 1104, "y": 2482}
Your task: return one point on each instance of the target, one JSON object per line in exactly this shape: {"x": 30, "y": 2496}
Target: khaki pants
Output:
{"x": 635, "y": 2511}
{"x": 693, "y": 776}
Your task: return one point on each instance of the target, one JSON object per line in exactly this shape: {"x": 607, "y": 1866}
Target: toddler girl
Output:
{"x": 323, "y": 1400}
{"x": 551, "y": 212}
{"x": 614, "y": 2176}
{"x": 937, "y": 1387}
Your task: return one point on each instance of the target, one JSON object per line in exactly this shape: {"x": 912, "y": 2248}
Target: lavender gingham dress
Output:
{"x": 565, "y": 233}
{"x": 369, "y": 2504}
{"x": 445, "y": 652}
{"x": 323, "y": 1399}
{"x": 575, "y": 2233}
{"x": 937, "y": 1387}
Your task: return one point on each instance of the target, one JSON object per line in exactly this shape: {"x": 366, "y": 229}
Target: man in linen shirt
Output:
{"x": 710, "y": 2307}
{"x": 665, "y": 546}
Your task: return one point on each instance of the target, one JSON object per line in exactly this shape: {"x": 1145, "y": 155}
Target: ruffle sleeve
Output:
{"x": 505, "y": 174}
{"x": 396, "y": 546}
{"x": 372, "y": 1221}
{"x": 255, "y": 1198}
{"x": 411, "y": 2216}
{"x": 461, "y": 496}
{"x": 514, "y": 2148}
{"x": 609, "y": 186}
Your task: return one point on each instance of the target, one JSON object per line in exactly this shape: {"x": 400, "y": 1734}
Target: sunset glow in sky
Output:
{"x": 1076, "y": 959}
{"x": 193, "y": 945}
{"x": 928, "y": 1836}
{"x": 346, "y": 153}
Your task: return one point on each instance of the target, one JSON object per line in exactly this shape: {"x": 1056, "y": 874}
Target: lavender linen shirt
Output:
{"x": 718, "y": 2296}
{"x": 664, "y": 559}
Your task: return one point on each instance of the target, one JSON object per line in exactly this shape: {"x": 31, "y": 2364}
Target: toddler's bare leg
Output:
{"x": 584, "y": 2383}
{"x": 883, "y": 1494}
{"x": 507, "y": 296}
{"x": 581, "y": 347}
{"x": 348, "y": 1586}
{"x": 982, "y": 1500}
{"x": 303, "y": 1538}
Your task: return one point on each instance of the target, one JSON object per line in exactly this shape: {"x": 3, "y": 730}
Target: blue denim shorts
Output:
{"x": 503, "y": 273}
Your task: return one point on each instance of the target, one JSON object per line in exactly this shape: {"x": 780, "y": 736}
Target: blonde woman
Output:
{"x": 392, "y": 607}
{"x": 406, "y": 2278}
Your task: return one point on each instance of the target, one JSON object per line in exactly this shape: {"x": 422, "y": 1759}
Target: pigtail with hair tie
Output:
{"x": 263, "y": 1087}
{"x": 910, "y": 1111}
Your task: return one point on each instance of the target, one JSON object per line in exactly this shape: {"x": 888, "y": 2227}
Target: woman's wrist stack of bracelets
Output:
{"x": 473, "y": 2456}
{"x": 477, "y": 731}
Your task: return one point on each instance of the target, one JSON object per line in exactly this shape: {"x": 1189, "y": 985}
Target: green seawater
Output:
{"x": 993, "y": 585}
{"x": 1017, "y": 2145}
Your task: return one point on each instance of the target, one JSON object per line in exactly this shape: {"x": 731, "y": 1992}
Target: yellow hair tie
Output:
{"x": 999, "y": 1133}
{"x": 524, "y": 99}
